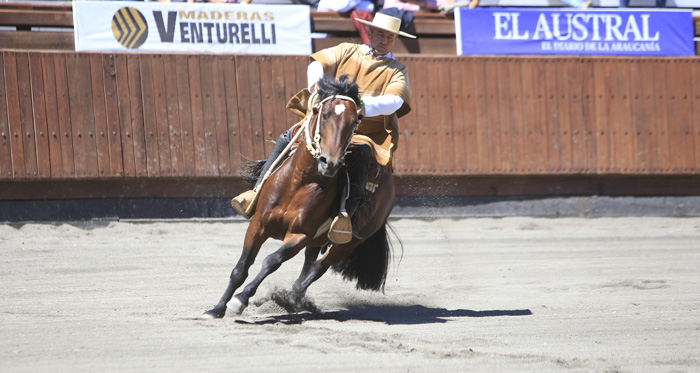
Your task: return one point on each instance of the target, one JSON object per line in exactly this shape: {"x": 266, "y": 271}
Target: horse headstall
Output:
{"x": 313, "y": 145}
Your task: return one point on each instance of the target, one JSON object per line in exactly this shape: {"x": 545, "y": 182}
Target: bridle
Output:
{"x": 313, "y": 144}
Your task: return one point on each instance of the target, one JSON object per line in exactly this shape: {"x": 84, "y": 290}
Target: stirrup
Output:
{"x": 341, "y": 229}
{"x": 241, "y": 202}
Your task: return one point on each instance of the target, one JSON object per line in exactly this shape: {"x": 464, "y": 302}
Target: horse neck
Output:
{"x": 304, "y": 164}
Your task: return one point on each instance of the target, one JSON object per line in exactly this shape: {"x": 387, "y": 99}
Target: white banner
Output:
{"x": 191, "y": 27}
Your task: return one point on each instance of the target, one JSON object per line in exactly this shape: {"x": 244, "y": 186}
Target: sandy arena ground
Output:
{"x": 512, "y": 294}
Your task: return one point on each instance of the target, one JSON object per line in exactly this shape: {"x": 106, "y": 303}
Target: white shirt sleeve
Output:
{"x": 314, "y": 73}
{"x": 382, "y": 105}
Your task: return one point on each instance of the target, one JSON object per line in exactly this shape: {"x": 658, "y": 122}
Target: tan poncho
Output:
{"x": 376, "y": 77}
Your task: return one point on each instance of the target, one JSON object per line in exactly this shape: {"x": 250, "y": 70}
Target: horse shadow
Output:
{"x": 387, "y": 314}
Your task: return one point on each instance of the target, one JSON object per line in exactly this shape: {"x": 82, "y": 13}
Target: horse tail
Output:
{"x": 250, "y": 171}
{"x": 368, "y": 263}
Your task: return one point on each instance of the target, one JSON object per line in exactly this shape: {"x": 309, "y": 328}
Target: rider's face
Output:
{"x": 381, "y": 41}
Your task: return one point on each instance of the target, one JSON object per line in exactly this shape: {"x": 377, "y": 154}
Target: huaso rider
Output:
{"x": 386, "y": 94}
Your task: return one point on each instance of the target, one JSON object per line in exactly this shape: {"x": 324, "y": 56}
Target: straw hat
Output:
{"x": 386, "y": 23}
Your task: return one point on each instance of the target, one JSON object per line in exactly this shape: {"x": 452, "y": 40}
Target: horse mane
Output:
{"x": 328, "y": 86}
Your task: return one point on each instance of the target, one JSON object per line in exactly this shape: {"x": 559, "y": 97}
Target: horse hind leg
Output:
{"x": 335, "y": 254}
{"x": 309, "y": 259}
{"x": 272, "y": 262}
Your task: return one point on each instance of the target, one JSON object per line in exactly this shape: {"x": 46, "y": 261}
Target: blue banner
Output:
{"x": 575, "y": 32}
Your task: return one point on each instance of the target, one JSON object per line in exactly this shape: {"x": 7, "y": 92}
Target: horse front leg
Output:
{"x": 291, "y": 247}
{"x": 251, "y": 247}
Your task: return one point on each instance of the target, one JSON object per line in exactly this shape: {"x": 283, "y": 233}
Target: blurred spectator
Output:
{"x": 362, "y": 9}
{"x": 450, "y": 5}
{"x": 344, "y": 6}
{"x": 583, "y": 4}
{"x": 659, "y": 3}
{"x": 416, "y": 5}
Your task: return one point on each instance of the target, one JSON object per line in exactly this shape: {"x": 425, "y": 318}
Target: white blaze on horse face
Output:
{"x": 339, "y": 109}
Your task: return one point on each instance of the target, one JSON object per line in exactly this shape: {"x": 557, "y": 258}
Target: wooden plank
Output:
{"x": 577, "y": 122}
{"x": 173, "y": 105}
{"x": 440, "y": 144}
{"x": 481, "y": 115}
{"x": 64, "y": 116}
{"x": 113, "y": 130}
{"x": 150, "y": 120}
{"x": 540, "y": 129}
{"x": 401, "y": 153}
{"x": 551, "y": 116}
{"x": 26, "y": 114}
{"x": 601, "y": 76}
{"x": 563, "y": 115}
{"x": 137, "y": 115}
{"x": 160, "y": 111}
{"x": 517, "y": 138}
{"x": 622, "y": 139}
{"x": 660, "y": 77}
{"x": 446, "y": 136}
{"x": 28, "y": 17}
{"x": 232, "y": 113}
{"x": 100, "y": 115}
{"x": 423, "y": 117}
{"x": 454, "y": 101}
{"x": 45, "y": 6}
{"x": 256, "y": 107}
{"x": 5, "y": 135}
{"x": 290, "y": 89}
{"x": 589, "y": 118}
{"x": 211, "y": 167}
{"x": 492, "y": 119}
{"x": 468, "y": 101}
{"x": 82, "y": 115}
{"x": 268, "y": 115}
{"x": 279, "y": 98}
{"x": 188, "y": 165}
{"x": 641, "y": 117}
{"x": 244, "y": 103}
{"x": 52, "y": 123}
{"x": 38, "y": 118}
{"x": 503, "y": 127}
{"x": 695, "y": 71}
{"x": 220, "y": 118}
{"x": 528, "y": 93}
{"x": 680, "y": 117}
{"x": 38, "y": 94}
{"x": 76, "y": 116}
{"x": 37, "y": 40}
{"x": 90, "y": 134}
{"x": 200, "y": 149}
{"x": 123, "y": 99}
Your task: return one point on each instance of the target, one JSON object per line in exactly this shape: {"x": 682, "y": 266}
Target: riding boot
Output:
{"x": 241, "y": 202}
{"x": 358, "y": 165}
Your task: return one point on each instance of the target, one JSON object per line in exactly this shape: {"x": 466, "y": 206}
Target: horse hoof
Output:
{"x": 236, "y": 306}
{"x": 212, "y": 314}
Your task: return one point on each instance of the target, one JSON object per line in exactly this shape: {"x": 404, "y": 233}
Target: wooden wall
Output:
{"x": 87, "y": 116}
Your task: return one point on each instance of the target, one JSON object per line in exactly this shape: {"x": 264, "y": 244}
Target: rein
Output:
{"x": 313, "y": 144}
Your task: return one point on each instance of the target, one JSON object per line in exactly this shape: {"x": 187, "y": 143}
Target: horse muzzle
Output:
{"x": 328, "y": 168}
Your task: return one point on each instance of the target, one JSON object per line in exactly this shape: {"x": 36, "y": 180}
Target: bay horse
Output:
{"x": 297, "y": 203}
